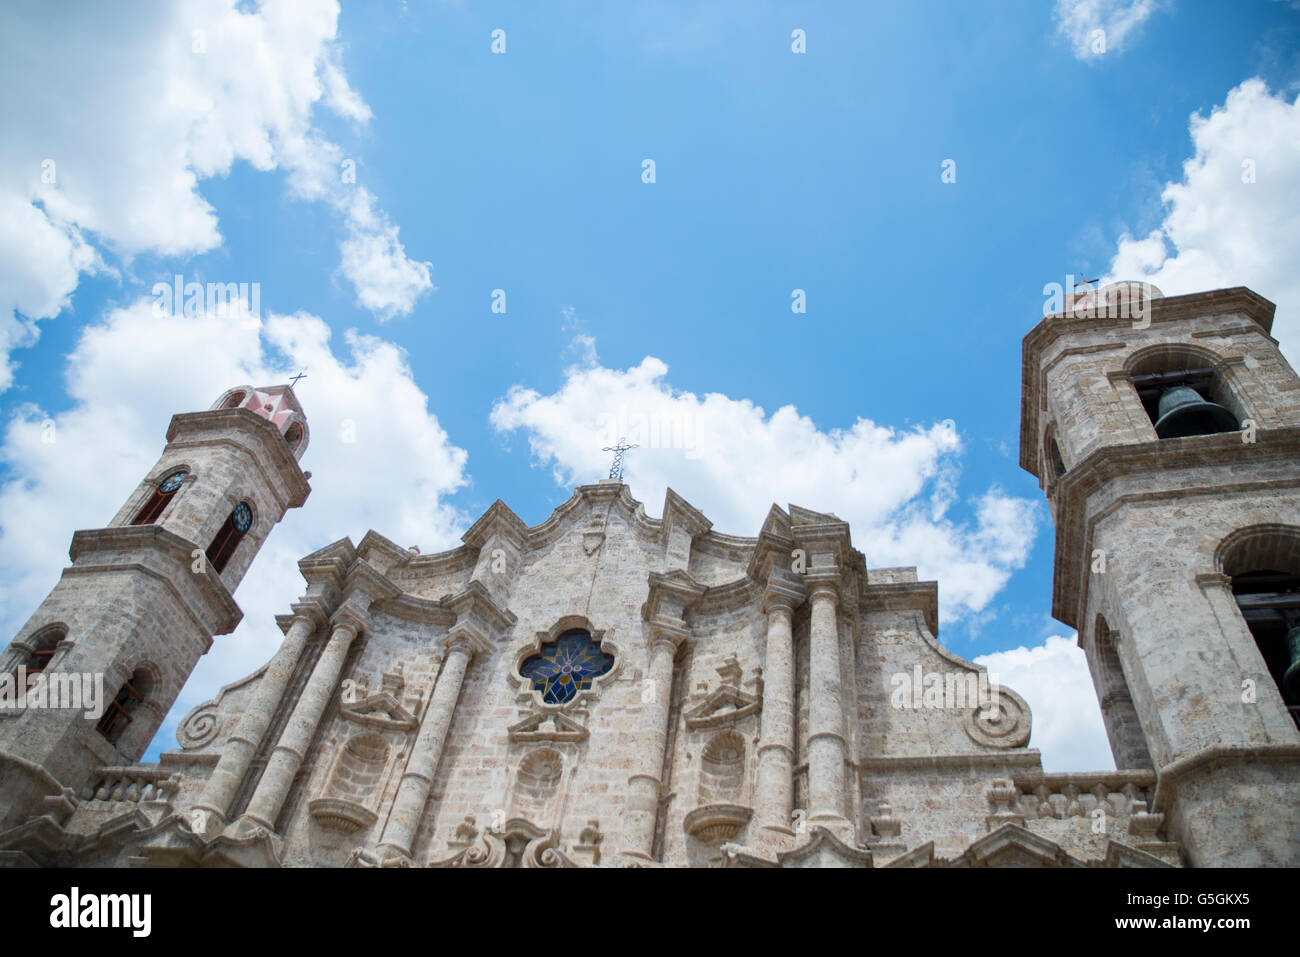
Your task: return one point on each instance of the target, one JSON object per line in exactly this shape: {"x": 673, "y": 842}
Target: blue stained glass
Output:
{"x": 565, "y": 666}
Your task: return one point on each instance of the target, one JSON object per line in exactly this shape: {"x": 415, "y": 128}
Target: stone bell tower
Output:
{"x": 1165, "y": 432}
{"x": 144, "y": 595}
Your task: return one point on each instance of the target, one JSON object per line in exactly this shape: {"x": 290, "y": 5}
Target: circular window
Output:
{"x": 242, "y": 517}
{"x": 172, "y": 482}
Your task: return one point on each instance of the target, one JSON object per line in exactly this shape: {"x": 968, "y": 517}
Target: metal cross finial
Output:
{"x": 294, "y": 380}
{"x": 1084, "y": 281}
{"x": 616, "y": 470}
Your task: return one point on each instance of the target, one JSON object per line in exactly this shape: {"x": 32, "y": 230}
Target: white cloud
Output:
{"x": 1054, "y": 679}
{"x": 129, "y": 374}
{"x": 732, "y": 460}
{"x": 1118, "y": 20}
{"x": 1221, "y": 231}
{"x": 119, "y": 113}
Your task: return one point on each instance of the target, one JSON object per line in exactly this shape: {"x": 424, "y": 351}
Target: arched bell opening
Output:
{"x": 1264, "y": 566}
{"x": 1184, "y": 394}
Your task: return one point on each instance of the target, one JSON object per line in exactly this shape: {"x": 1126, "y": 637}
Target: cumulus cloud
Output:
{"x": 129, "y": 374}
{"x": 1054, "y": 679}
{"x": 1231, "y": 221}
{"x": 732, "y": 459}
{"x": 1079, "y": 21}
{"x": 118, "y": 114}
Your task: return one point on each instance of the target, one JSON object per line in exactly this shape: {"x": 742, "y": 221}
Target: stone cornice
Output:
{"x": 475, "y": 608}
{"x": 216, "y": 613}
{"x": 671, "y": 595}
{"x": 498, "y": 520}
{"x": 340, "y": 554}
{"x": 364, "y": 582}
{"x": 905, "y": 596}
{"x": 679, "y": 512}
{"x": 774, "y": 545}
{"x": 1235, "y": 300}
{"x": 374, "y": 544}
{"x": 1221, "y": 754}
{"x": 1025, "y": 757}
{"x": 1075, "y": 522}
{"x": 423, "y": 611}
{"x": 270, "y": 441}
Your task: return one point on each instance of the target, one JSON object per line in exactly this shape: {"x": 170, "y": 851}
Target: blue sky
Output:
{"x": 522, "y": 172}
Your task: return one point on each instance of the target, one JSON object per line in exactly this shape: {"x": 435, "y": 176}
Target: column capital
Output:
{"x": 464, "y": 636}
{"x": 310, "y": 608}
{"x": 671, "y": 595}
{"x": 671, "y": 630}
{"x": 821, "y": 581}
{"x": 478, "y": 614}
{"x": 349, "y": 616}
{"x": 781, "y": 592}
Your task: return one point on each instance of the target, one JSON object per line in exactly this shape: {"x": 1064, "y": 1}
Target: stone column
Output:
{"x": 825, "y": 708}
{"x": 413, "y": 791}
{"x": 774, "y": 787}
{"x": 239, "y": 750}
{"x": 291, "y": 749}
{"x": 643, "y": 788}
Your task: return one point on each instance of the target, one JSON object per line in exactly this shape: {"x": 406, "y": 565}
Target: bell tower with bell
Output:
{"x": 145, "y": 595}
{"x": 1165, "y": 432}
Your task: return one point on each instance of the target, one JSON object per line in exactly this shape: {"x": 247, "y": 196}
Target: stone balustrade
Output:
{"x": 132, "y": 784}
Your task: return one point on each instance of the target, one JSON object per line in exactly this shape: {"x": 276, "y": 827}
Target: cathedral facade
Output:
{"x": 613, "y": 689}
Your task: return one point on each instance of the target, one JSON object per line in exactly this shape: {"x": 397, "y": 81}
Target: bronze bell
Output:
{"x": 1291, "y": 677}
{"x": 1183, "y": 412}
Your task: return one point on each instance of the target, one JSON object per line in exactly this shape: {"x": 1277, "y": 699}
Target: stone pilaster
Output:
{"x": 413, "y": 791}
{"x": 826, "y": 744}
{"x": 774, "y": 787}
{"x": 665, "y": 610}
{"x": 243, "y": 743}
{"x": 291, "y": 749}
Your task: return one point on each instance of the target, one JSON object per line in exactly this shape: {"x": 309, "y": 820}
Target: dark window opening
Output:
{"x": 153, "y": 508}
{"x": 563, "y": 667}
{"x": 1181, "y": 403}
{"x": 119, "y": 714}
{"x": 38, "y": 659}
{"x": 1270, "y": 603}
{"x": 1054, "y": 454}
{"x": 229, "y": 536}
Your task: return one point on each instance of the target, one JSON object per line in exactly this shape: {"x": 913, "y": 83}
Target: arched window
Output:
{"x": 235, "y": 400}
{"x": 153, "y": 508}
{"x": 229, "y": 536}
{"x": 1264, "y": 565}
{"x": 1270, "y": 602}
{"x": 293, "y": 435}
{"x": 565, "y": 666}
{"x": 44, "y": 646}
{"x": 1182, "y": 392}
{"x": 122, "y": 709}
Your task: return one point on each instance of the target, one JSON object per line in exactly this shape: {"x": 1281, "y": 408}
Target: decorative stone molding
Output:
{"x": 727, "y": 705}
{"x": 199, "y": 727}
{"x": 717, "y": 823}
{"x": 518, "y": 844}
{"x": 1007, "y": 728}
{"x": 553, "y": 726}
{"x": 340, "y": 815}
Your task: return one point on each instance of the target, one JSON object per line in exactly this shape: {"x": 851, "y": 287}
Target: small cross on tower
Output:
{"x": 294, "y": 381}
{"x": 616, "y": 470}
